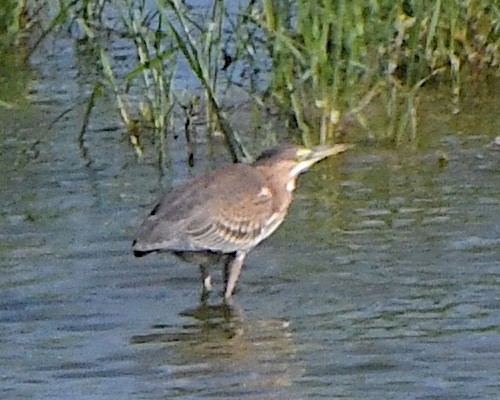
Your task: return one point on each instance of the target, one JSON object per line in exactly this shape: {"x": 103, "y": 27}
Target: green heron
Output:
{"x": 223, "y": 215}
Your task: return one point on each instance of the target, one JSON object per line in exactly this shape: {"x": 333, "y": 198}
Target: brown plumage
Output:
{"x": 226, "y": 213}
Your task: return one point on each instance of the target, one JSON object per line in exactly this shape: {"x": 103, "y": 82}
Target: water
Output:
{"x": 384, "y": 282}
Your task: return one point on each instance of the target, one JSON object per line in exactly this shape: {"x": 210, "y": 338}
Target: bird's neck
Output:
{"x": 282, "y": 191}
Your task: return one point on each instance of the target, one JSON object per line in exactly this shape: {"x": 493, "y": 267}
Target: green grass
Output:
{"x": 324, "y": 65}
{"x": 331, "y": 56}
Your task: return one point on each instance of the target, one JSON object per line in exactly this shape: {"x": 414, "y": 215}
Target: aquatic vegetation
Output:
{"x": 330, "y": 57}
{"x": 324, "y": 65}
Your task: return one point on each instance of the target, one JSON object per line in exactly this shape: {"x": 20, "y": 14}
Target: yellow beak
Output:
{"x": 307, "y": 157}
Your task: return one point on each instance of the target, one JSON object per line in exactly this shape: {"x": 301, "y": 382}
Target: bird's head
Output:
{"x": 289, "y": 161}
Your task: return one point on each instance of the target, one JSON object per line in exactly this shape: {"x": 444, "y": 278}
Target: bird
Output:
{"x": 222, "y": 215}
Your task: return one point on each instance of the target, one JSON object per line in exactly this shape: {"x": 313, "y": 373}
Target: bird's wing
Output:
{"x": 235, "y": 213}
{"x": 212, "y": 212}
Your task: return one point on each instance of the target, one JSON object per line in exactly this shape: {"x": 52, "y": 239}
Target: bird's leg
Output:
{"x": 207, "y": 281}
{"x": 232, "y": 272}
{"x": 227, "y": 264}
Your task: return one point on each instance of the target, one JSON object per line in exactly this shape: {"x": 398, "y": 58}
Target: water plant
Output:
{"x": 329, "y": 57}
{"x": 323, "y": 64}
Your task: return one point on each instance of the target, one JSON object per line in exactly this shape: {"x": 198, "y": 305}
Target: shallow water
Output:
{"x": 384, "y": 282}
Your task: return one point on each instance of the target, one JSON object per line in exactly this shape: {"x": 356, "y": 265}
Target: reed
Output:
{"x": 329, "y": 55}
{"x": 12, "y": 21}
{"x": 325, "y": 63}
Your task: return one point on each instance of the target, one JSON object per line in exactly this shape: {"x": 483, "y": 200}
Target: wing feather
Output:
{"x": 214, "y": 212}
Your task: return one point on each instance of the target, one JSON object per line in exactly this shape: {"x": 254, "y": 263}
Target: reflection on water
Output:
{"x": 217, "y": 353}
{"x": 383, "y": 282}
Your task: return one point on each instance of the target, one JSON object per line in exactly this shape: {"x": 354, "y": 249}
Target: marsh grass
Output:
{"x": 160, "y": 35}
{"x": 13, "y": 21}
{"x": 200, "y": 45}
{"x": 324, "y": 64}
{"x": 330, "y": 55}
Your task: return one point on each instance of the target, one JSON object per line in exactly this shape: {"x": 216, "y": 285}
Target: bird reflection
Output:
{"x": 217, "y": 332}
{"x": 222, "y": 321}
{"x": 218, "y": 351}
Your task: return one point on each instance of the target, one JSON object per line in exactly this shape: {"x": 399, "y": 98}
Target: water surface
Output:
{"x": 384, "y": 282}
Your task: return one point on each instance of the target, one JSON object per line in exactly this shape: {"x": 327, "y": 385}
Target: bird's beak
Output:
{"x": 307, "y": 157}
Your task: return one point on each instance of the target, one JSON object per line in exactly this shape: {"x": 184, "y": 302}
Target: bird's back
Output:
{"x": 221, "y": 211}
